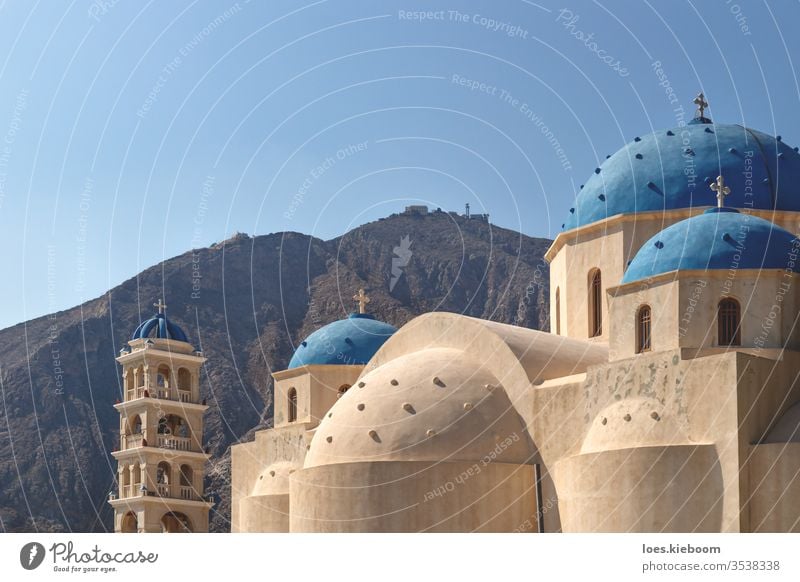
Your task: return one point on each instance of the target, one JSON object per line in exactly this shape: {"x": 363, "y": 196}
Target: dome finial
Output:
{"x": 362, "y": 300}
{"x": 701, "y": 103}
{"x": 161, "y": 306}
{"x": 721, "y": 189}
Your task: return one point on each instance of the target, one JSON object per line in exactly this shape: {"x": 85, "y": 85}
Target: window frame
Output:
{"x": 732, "y": 318}
{"x": 291, "y": 400}
{"x": 595, "y": 303}
{"x": 644, "y": 329}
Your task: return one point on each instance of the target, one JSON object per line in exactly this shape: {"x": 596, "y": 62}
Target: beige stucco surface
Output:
{"x": 412, "y": 496}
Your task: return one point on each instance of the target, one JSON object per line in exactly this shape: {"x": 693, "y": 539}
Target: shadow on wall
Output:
{"x": 637, "y": 472}
{"x": 673, "y": 488}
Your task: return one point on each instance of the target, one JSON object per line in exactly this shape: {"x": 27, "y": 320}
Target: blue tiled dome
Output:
{"x": 719, "y": 238}
{"x": 159, "y": 327}
{"x": 672, "y": 169}
{"x": 348, "y": 341}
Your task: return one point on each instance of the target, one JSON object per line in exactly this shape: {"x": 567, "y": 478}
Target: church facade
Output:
{"x": 664, "y": 398}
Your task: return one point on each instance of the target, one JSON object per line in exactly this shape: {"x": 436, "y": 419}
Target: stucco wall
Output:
{"x": 302, "y": 384}
{"x": 569, "y": 271}
{"x": 774, "y": 472}
{"x": 317, "y": 390}
{"x": 768, "y": 300}
{"x": 249, "y": 461}
{"x": 684, "y": 310}
{"x": 264, "y": 513}
{"x": 663, "y": 300}
{"x": 410, "y": 496}
{"x": 669, "y": 426}
{"x": 653, "y": 399}
{"x": 607, "y": 245}
{"x": 647, "y": 489}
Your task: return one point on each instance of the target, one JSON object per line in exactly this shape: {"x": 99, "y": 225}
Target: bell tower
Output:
{"x": 161, "y": 461}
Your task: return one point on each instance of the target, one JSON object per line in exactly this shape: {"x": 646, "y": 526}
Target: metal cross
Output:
{"x": 362, "y": 300}
{"x": 701, "y": 103}
{"x": 721, "y": 189}
{"x": 160, "y": 305}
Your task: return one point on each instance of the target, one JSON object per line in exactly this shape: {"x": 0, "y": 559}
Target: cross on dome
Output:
{"x": 160, "y": 305}
{"x": 362, "y": 299}
{"x": 721, "y": 189}
{"x": 701, "y": 103}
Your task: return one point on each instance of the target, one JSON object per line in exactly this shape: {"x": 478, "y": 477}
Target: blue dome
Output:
{"x": 163, "y": 328}
{"x": 719, "y": 238}
{"x": 348, "y": 342}
{"x": 673, "y": 169}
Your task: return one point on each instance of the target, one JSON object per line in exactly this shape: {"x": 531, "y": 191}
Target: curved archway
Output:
{"x": 136, "y": 487}
{"x": 133, "y": 436}
{"x": 163, "y": 381}
{"x": 163, "y": 473}
{"x": 163, "y": 478}
{"x": 130, "y": 524}
{"x": 173, "y": 425}
{"x": 186, "y": 479}
{"x": 125, "y": 482}
{"x": 184, "y": 380}
{"x": 176, "y": 522}
{"x": 186, "y": 475}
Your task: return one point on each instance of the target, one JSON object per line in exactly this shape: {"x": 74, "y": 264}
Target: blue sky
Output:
{"x": 133, "y": 131}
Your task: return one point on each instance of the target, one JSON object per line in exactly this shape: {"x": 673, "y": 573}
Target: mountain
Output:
{"x": 245, "y": 302}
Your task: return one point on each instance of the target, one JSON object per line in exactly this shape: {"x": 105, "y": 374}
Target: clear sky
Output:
{"x": 132, "y": 131}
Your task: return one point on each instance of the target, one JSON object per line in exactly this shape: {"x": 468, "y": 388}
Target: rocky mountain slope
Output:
{"x": 245, "y": 302}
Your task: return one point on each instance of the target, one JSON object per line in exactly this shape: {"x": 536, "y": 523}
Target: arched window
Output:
{"x": 186, "y": 476}
{"x": 729, "y": 322}
{"x": 129, "y": 523}
{"x": 173, "y": 425}
{"x": 643, "y": 329}
{"x": 292, "y": 405}
{"x": 187, "y": 488}
{"x": 162, "y": 378}
{"x": 136, "y": 425}
{"x": 175, "y": 522}
{"x": 163, "y": 426}
{"x": 342, "y": 389}
{"x": 558, "y": 311}
{"x": 140, "y": 377}
{"x": 184, "y": 379}
{"x": 595, "y": 303}
{"x": 163, "y": 473}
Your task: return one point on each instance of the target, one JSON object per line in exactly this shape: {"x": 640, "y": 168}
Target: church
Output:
{"x": 664, "y": 398}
